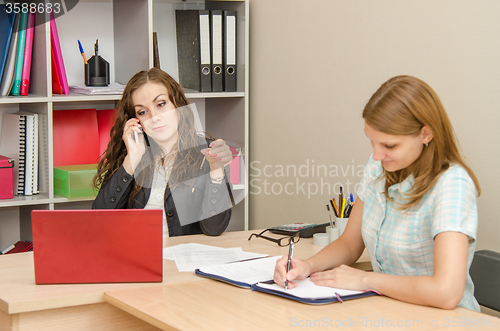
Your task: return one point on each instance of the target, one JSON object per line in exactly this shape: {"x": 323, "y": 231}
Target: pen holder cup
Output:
{"x": 341, "y": 223}
{"x": 97, "y": 72}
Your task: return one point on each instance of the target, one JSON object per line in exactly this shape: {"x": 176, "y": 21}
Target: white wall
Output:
{"x": 313, "y": 66}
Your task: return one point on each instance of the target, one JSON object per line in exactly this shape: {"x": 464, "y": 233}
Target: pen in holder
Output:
{"x": 97, "y": 70}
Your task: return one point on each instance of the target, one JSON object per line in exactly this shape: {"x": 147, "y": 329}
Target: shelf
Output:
{"x": 23, "y": 99}
{"x": 124, "y": 29}
{"x": 22, "y": 200}
{"x": 213, "y": 95}
{"x": 61, "y": 199}
{"x": 237, "y": 187}
{"x": 72, "y": 97}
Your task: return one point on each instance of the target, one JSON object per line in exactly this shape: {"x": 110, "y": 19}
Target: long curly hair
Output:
{"x": 402, "y": 106}
{"x": 187, "y": 158}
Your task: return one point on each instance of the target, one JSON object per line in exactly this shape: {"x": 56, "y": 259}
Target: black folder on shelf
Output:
{"x": 205, "y": 51}
{"x": 188, "y": 48}
{"x": 193, "y": 49}
{"x": 230, "y": 51}
{"x": 217, "y": 50}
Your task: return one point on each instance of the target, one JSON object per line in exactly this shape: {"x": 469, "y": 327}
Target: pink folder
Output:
{"x": 25, "y": 78}
{"x": 54, "y": 38}
{"x": 234, "y": 166}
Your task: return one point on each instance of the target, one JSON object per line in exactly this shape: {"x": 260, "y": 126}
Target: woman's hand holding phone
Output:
{"x": 134, "y": 142}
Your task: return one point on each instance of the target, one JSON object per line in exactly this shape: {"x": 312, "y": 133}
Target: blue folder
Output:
{"x": 6, "y": 25}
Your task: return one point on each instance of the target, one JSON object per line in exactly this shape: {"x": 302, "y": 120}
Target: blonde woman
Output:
{"x": 416, "y": 209}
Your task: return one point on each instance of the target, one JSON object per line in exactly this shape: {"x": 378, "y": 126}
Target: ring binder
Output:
{"x": 216, "y": 26}
{"x": 189, "y": 49}
{"x": 230, "y": 51}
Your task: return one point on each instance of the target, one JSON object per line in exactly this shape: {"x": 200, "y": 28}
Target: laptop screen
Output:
{"x": 97, "y": 246}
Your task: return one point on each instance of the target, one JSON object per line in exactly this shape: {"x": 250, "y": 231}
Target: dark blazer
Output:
{"x": 192, "y": 207}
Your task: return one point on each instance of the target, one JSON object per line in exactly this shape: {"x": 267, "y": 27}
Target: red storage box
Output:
{"x": 6, "y": 177}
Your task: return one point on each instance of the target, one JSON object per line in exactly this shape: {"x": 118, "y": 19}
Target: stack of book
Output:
{"x": 16, "y": 43}
{"x": 19, "y": 141}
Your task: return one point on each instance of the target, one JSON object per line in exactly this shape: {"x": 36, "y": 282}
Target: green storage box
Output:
{"x": 75, "y": 180}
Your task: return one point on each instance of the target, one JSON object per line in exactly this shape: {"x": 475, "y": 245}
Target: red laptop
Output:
{"x": 97, "y": 246}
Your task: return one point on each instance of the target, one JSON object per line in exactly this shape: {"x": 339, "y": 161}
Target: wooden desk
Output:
{"x": 27, "y": 306}
{"x": 213, "y": 305}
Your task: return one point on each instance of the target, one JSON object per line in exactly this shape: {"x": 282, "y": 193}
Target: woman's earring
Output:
{"x": 426, "y": 144}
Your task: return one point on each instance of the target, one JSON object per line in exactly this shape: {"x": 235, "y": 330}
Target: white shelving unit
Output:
{"x": 124, "y": 29}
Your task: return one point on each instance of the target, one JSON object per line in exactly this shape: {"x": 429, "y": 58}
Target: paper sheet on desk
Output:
{"x": 308, "y": 290}
{"x": 249, "y": 272}
{"x": 189, "y": 257}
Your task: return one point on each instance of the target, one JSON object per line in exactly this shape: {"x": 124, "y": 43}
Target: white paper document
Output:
{"x": 308, "y": 290}
{"x": 189, "y": 257}
{"x": 249, "y": 272}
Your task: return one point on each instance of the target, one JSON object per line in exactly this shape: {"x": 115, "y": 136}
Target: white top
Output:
{"x": 157, "y": 197}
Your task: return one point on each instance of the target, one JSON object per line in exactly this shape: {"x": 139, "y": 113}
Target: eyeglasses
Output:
{"x": 285, "y": 241}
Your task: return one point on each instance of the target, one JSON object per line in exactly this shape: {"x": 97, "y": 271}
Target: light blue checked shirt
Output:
{"x": 402, "y": 242}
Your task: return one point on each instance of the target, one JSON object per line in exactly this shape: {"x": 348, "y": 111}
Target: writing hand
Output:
{"x": 299, "y": 269}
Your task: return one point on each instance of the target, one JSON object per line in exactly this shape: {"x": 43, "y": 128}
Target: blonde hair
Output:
{"x": 403, "y": 106}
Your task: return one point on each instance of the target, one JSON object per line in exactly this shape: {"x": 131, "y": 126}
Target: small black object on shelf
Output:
{"x": 97, "y": 70}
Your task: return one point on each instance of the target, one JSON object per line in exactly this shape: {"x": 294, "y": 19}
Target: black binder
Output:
{"x": 193, "y": 49}
{"x": 217, "y": 50}
{"x": 205, "y": 51}
{"x": 230, "y": 51}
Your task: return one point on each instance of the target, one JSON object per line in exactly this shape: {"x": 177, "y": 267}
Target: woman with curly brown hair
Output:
{"x": 156, "y": 160}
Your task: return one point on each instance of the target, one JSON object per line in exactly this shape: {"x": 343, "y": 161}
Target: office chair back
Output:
{"x": 485, "y": 273}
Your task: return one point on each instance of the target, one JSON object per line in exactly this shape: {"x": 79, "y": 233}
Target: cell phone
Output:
{"x": 136, "y": 137}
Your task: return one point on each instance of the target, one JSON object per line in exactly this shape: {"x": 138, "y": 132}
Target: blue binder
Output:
{"x": 6, "y": 27}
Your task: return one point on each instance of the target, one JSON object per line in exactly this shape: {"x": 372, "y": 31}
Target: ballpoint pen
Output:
{"x": 83, "y": 53}
{"x": 337, "y": 212}
{"x": 329, "y": 215}
{"x": 289, "y": 262}
{"x": 352, "y": 200}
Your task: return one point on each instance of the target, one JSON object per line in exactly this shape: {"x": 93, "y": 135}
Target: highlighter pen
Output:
{"x": 343, "y": 208}
{"x": 83, "y": 53}
{"x": 289, "y": 262}
{"x": 352, "y": 200}
{"x": 340, "y": 204}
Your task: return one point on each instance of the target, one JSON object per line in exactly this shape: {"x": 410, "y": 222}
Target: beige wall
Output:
{"x": 315, "y": 63}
